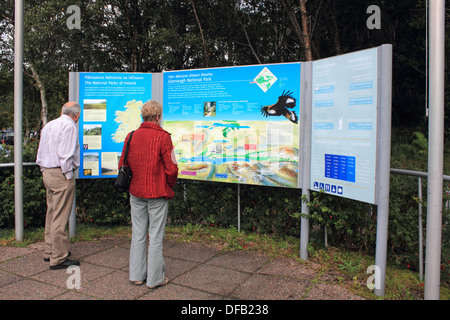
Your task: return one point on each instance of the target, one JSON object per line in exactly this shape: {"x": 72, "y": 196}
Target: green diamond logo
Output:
{"x": 265, "y": 79}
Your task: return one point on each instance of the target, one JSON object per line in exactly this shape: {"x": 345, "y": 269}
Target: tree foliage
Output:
{"x": 158, "y": 35}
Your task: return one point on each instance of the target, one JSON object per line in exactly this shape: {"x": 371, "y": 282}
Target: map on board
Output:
{"x": 237, "y": 125}
{"x": 129, "y": 119}
{"x": 251, "y": 152}
{"x": 111, "y": 107}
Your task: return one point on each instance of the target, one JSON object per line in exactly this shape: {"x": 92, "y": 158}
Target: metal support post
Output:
{"x": 18, "y": 108}
{"x": 306, "y": 74}
{"x": 420, "y": 231}
{"x": 239, "y": 206}
{"x": 74, "y": 82}
{"x": 384, "y": 165}
{"x": 435, "y": 150}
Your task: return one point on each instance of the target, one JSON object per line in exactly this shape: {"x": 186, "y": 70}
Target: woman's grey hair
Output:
{"x": 71, "y": 109}
{"x": 150, "y": 110}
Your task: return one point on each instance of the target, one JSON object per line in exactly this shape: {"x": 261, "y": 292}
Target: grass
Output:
{"x": 348, "y": 269}
{"x": 83, "y": 233}
{"x": 7, "y": 237}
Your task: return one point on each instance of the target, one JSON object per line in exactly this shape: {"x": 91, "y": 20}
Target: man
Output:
{"x": 58, "y": 156}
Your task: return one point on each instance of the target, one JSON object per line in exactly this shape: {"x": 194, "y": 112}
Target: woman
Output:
{"x": 154, "y": 169}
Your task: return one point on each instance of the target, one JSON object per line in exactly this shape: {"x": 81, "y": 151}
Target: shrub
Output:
{"x": 268, "y": 210}
{"x": 99, "y": 202}
{"x": 34, "y": 200}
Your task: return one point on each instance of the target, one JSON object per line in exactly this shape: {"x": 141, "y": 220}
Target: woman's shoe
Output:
{"x": 166, "y": 281}
{"x": 138, "y": 283}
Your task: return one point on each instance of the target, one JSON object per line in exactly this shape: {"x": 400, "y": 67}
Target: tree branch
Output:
{"x": 205, "y": 51}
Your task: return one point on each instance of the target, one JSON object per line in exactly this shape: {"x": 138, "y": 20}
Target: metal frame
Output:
{"x": 305, "y": 109}
{"x": 18, "y": 111}
{"x": 383, "y": 161}
{"x": 435, "y": 148}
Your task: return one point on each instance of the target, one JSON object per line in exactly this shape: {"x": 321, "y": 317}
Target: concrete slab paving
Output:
{"x": 197, "y": 271}
{"x": 176, "y": 267}
{"x": 213, "y": 279}
{"x": 177, "y": 292}
{"x": 26, "y": 265}
{"x": 59, "y": 278}
{"x": 114, "y": 286}
{"x": 26, "y": 289}
{"x": 290, "y": 268}
{"x": 7, "y": 253}
{"x": 265, "y": 287}
{"x": 8, "y": 278}
{"x": 324, "y": 291}
{"x": 113, "y": 257}
{"x": 245, "y": 261}
{"x": 191, "y": 251}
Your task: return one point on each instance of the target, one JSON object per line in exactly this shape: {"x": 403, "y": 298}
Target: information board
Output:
{"x": 241, "y": 124}
{"x": 235, "y": 124}
{"x": 110, "y": 109}
{"x": 344, "y": 125}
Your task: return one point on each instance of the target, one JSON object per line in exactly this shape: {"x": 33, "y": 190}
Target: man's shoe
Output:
{"x": 48, "y": 259}
{"x": 65, "y": 264}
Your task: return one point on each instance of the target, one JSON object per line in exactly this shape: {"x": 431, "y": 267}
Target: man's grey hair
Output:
{"x": 71, "y": 109}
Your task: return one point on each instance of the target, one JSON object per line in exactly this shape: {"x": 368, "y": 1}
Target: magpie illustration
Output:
{"x": 280, "y": 108}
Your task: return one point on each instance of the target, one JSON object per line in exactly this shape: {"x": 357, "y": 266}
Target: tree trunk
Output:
{"x": 41, "y": 87}
{"x": 205, "y": 50}
{"x": 294, "y": 21}
{"x": 303, "y": 30}
{"x": 249, "y": 42}
{"x": 337, "y": 42}
{"x": 306, "y": 36}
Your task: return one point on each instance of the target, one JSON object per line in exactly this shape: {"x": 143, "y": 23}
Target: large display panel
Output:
{"x": 235, "y": 124}
{"x": 110, "y": 109}
{"x": 241, "y": 124}
{"x": 344, "y": 125}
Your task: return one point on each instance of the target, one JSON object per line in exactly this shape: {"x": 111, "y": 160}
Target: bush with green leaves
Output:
{"x": 349, "y": 224}
{"x": 34, "y": 200}
{"x": 262, "y": 209}
{"x": 269, "y": 210}
{"x": 99, "y": 202}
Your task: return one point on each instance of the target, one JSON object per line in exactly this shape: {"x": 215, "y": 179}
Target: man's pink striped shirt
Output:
{"x": 59, "y": 146}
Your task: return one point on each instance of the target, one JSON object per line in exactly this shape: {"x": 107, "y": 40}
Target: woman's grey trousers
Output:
{"x": 151, "y": 215}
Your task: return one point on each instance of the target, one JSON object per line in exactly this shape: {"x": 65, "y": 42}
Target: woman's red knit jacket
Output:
{"x": 153, "y": 167}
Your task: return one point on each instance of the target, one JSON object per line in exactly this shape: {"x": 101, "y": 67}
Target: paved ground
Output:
{"x": 197, "y": 272}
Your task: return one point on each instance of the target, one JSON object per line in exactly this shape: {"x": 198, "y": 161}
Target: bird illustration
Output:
{"x": 280, "y": 108}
